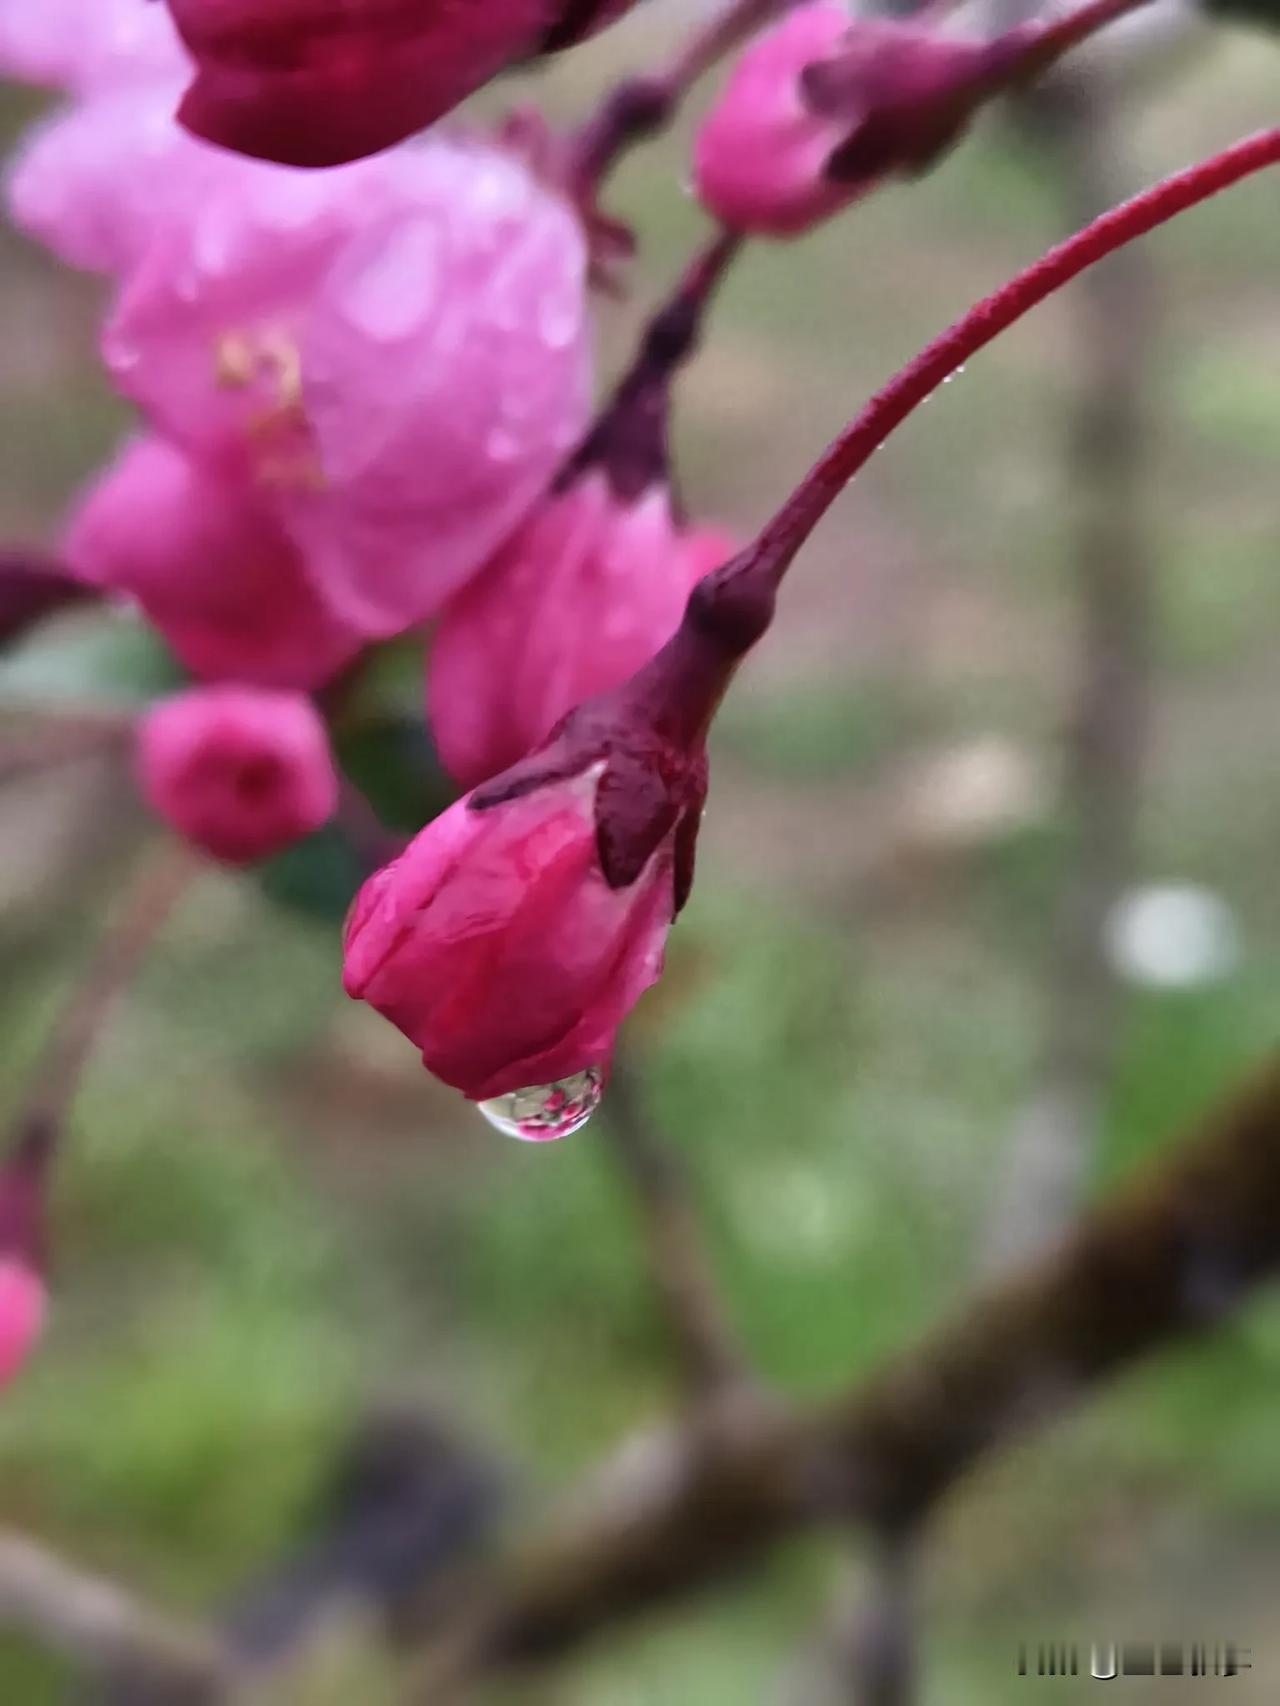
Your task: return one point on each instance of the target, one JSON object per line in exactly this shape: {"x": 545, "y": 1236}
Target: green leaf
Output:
{"x": 390, "y": 759}
{"x": 317, "y": 876}
{"x": 98, "y": 659}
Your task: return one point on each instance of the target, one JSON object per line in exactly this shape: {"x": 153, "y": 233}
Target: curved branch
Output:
{"x": 689, "y": 1506}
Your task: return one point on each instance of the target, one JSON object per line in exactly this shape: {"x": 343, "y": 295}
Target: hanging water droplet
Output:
{"x": 544, "y": 1112}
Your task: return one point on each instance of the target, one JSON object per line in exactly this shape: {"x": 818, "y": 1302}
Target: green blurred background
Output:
{"x": 271, "y": 1220}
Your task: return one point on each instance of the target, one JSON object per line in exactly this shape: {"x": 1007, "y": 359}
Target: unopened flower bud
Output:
{"x": 822, "y": 107}
{"x": 311, "y": 84}
{"x": 498, "y": 944}
{"x": 239, "y": 771}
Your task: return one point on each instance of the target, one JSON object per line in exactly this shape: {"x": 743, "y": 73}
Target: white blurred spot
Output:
{"x": 1174, "y": 936}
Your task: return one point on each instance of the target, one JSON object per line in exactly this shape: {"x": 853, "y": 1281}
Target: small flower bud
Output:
{"x": 822, "y": 108}
{"x": 498, "y": 944}
{"x": 585, "y": 592}
{"x": 239, "y": 771}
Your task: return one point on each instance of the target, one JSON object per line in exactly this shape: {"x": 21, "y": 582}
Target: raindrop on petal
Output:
{"x": 544, "y": 1112}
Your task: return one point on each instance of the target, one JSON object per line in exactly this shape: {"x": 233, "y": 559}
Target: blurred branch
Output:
{"x": 59, "y": 740}
{"x": 691, "y": 1504}
{"x": 97, "y": 1625}
{"x": 695, "y": 1502}
{"x": 164, "y": 874}
{"x": 683, "y": 1280}
{"x": 865, "y": 1653}
{"x": 1053, "y": 1138}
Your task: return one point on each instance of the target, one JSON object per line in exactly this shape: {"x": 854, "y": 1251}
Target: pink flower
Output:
{"x": 211, "y": 568}
{"x": 97, "y": 181}
{"x": 239, "y": 771}
{"x": 86, "y": 45}
{"x": 583, "y": 594}
{"x": 314, "y": 84}
{"x": 206, "y": 336}
{"x": 23, "y": 1305}
{"x": 394, "y": 353}
{"x": 822, "y": 108}
{"x": 497, "y": 944}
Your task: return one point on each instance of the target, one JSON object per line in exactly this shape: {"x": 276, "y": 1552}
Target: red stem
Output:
{"x": 767, "y": 561}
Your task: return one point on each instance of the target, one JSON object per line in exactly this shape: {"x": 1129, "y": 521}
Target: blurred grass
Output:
{"x": 270, "y": 1217}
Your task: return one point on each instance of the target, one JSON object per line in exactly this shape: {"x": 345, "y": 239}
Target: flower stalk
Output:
{"x": 763, "y": 565}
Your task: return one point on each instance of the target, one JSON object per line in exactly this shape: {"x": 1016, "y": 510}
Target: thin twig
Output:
{"x": 57, "y": 1075}
{"x": 679, "y": 1267}
{"x": 1053, "y": 1137}
{"x": 641, "y": 107}
{"x": 865, "y": 1652}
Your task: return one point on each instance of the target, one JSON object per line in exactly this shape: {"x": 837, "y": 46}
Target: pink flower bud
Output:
{"x": 583, "y": 594}
{"x": 311, "y": 84}
{"x": 821, "y": 108}
{"x": 23, "y": 1304}
{"x": 394, "y": 353}
{"x": 239, "y": 771}
{"x": 761, "y": 152}
{"x": 211, "y": 568}
{"x": 499, "y": 946}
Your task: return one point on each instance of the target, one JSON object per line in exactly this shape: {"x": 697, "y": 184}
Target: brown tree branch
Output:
{"x": 103, "y": 1629}
{"x": 679, "y": 1267}
{"x": 691, "y": 1505}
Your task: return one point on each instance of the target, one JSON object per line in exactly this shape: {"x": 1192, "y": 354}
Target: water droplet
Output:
{"x": 558, "y": 320}
{"x": 388, "y": 296}
{"x": 502, "y": 446}
{"x": 547, "y": 1111}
